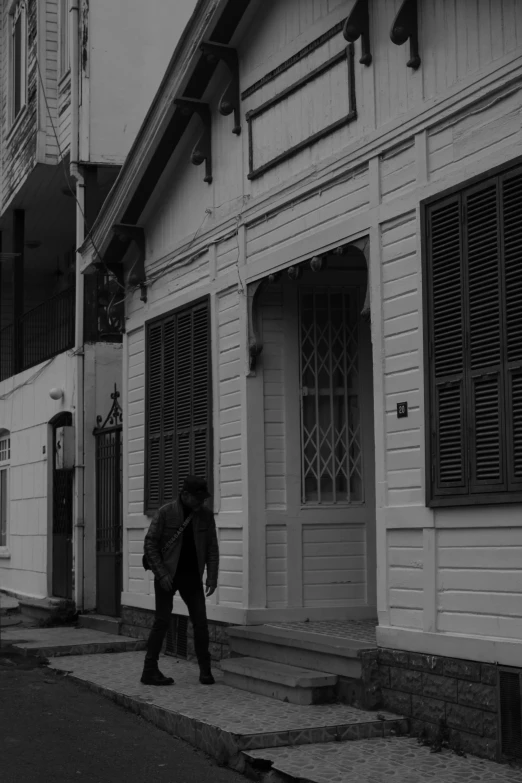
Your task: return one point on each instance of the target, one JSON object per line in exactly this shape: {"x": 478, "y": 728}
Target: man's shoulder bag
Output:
{"x": 172, "y": 540}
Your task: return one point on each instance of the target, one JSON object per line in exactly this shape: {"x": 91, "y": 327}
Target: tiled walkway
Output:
{"x": 359, "y": 630}
{"x": 254, "y": 721}
{"x": 391, "y": 760}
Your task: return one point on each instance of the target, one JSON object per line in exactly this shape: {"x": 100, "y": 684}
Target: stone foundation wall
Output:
{"x": 444, "y": 698}
{"x": 138, "y": 622}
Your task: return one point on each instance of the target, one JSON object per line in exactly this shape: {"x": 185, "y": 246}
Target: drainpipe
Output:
{"x": 79, "y": 424}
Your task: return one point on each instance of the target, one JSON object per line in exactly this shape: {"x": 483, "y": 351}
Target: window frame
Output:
{"x": 469, "y": 498}
{"x": 5, "y": 469}
{"x": 17, "y": 11}
{"x": 149, "y": 510}
{"x": 64, "y": 51}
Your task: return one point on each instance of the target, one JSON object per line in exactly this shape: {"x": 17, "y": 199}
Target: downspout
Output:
{"x": 79, "y": 423}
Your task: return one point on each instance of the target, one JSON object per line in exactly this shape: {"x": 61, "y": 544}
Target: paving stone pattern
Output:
{"x": 358, "y": 630}
{"x": 248, "y": 720}
{"x": 388, "y": 760}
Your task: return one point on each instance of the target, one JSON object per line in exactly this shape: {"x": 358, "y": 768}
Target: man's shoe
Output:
{"x": 155, "y": 677}
{"x": 206, "y": 678}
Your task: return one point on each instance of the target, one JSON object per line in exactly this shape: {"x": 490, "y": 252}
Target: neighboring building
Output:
{"x": 361, "y": 467}
{"x": 75, "y": 82}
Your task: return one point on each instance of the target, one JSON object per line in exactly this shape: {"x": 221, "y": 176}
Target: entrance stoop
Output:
{"x": 303, "y": 663}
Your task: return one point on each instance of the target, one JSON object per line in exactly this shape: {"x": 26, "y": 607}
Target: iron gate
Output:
{"x": 109, "y": 519}
{"x": 63, "y": 482}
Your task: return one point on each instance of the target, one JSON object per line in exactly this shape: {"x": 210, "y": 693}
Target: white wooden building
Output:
{"x": 290, "y": 287}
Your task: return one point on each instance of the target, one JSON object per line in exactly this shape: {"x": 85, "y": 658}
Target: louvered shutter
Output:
{"x": 201, "y": 395}
{"x": 178, "y": 401}
{"x": 447, "y": 350}
{"x": 184, "y": 393}
{"x": 484, "y": 326}
{"x": 511, "y": 191}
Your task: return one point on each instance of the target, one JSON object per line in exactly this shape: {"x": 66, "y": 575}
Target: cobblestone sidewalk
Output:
{"x": 387, "y": 760}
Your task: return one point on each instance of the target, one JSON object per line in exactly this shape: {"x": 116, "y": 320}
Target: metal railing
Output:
{"x": 43, "y": 332}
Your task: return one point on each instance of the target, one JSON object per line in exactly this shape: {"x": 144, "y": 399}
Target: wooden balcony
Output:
{"x": 41, "y": 333}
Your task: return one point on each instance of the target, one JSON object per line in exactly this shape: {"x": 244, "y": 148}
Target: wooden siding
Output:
{"x": 405, "y": 578}
{"x": 334, "y": 565}
{"x": 402, "y": 375}
{"x": 51, "y": 81}
{"x": 230, "y": 590}
{"x": 479, "y": 582}
{"x": 18, "y": 145}
{"x": 136, "y": 418}
{"x": 229, "y": 432}
{"x": 274, "y": 398}
{"x": 64, "y": 115}
{"x": 276, "y": 566}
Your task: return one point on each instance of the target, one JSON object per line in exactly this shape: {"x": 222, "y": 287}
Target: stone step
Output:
{"x": 100, "y": 622}
{"x": 279, "y": 681}
{"x": 298, "y": 648}
{"x": 8, "y": 605}
{"x": 7, "y": 620}
{"x": 55, "y": 642}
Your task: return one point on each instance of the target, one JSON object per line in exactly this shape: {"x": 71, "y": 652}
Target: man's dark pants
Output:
{"x": 194, "y": 597}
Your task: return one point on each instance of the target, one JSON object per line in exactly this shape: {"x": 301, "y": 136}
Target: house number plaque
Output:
{"x": 402, "y": 410}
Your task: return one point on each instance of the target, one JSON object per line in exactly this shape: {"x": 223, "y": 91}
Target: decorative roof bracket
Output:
{"x": 255, "y": 343}
{"x": 231, "y": 99}
{"x": 203, "y": 147}
{"x": 136, "y": 234}
{"x": 357, "y": 26}
{"x": 406, "y": 26}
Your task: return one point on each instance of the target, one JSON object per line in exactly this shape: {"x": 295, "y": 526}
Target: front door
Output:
{"x": 109, "y": 521}
{"x": 63, "y": 481}
{"x": 330, "y": 451}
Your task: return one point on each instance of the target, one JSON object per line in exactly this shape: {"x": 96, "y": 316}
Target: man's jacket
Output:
{"x": 166, "y": 521}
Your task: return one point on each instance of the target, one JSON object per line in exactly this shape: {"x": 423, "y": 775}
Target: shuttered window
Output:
{"x": 178, "y": 402}
{"x": 474, "y": 328}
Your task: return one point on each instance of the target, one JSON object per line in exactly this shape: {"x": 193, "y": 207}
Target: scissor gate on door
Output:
{"x": 109, "y": 519}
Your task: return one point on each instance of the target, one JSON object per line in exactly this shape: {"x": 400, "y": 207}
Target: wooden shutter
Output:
{"x": 485, "y": 344}
{"x": 512, "y": 257}
{"x": 474, "y": 286}
{"x": 447, "y": 350}
{"x": 178, "y": 403}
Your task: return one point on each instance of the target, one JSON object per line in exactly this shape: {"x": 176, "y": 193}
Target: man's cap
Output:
{"x": 196, "y": 486}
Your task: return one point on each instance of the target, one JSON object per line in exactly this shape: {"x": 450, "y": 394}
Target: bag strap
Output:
{"x": 172, "y": 540}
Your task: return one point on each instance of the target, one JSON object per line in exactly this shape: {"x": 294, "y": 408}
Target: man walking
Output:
{"x": 180, "y": 543}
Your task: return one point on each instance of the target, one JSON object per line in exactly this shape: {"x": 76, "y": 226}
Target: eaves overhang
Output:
{"x": 188, "y": 75}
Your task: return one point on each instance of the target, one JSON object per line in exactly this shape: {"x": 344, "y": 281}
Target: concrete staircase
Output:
{"x": 297, "y": 666}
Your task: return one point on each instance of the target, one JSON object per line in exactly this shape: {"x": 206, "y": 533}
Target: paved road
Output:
{"x": 52, "y": 729}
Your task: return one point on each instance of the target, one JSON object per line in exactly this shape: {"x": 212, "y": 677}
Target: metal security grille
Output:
{"x": 108, "y": 491}
{"x": 510, "y": 697}
{"x": 330, "y": 406}
{"x": 177, "y": 637}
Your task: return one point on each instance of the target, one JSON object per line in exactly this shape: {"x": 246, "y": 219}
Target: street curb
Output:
{"x": 227, "y": 747}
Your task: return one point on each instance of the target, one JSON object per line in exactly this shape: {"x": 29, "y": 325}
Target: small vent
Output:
{"x": 510, "y": 713}
{"x": 176, "y": 643}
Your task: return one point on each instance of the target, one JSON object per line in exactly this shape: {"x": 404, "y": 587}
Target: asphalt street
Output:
{"x": 54, "y": 731}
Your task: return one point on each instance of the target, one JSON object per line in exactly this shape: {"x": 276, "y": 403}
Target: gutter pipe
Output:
{"x": 79, "y": 419}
